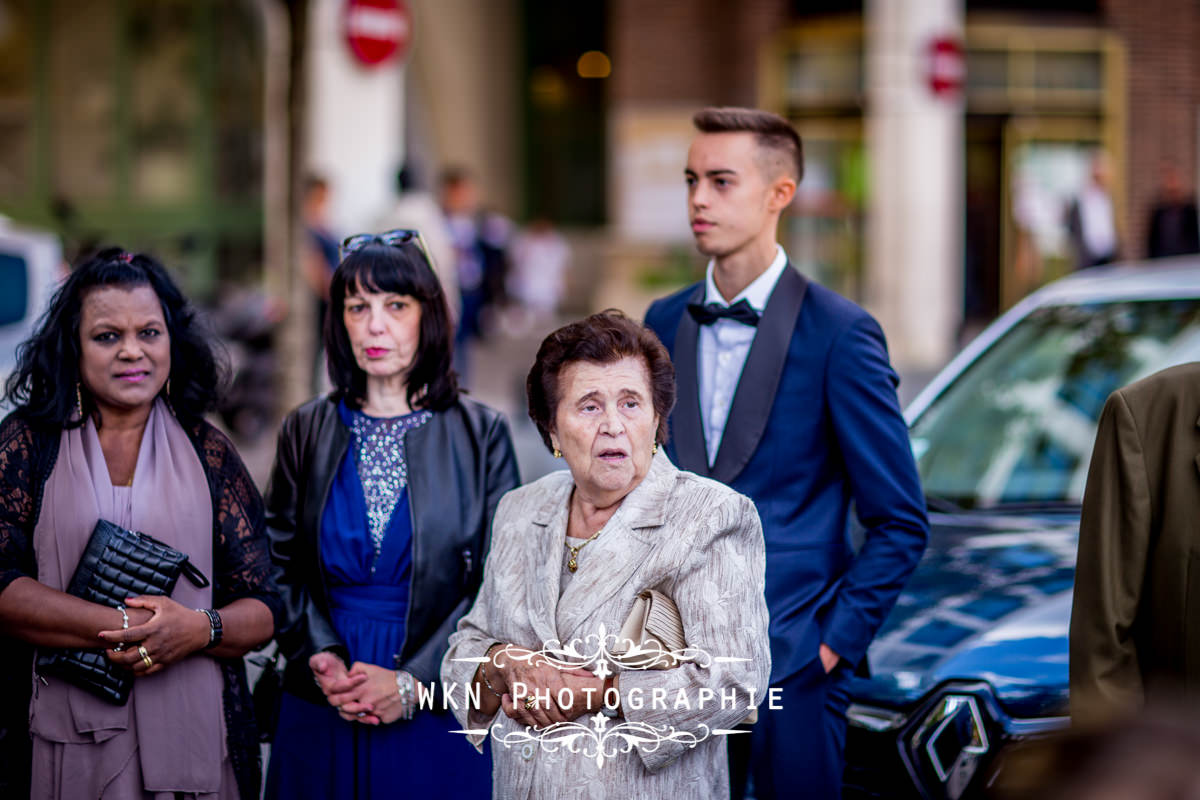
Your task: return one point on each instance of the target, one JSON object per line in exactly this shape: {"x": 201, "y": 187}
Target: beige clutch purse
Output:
{"x": 652, "y": 631}
{"x": 652, "y": 634}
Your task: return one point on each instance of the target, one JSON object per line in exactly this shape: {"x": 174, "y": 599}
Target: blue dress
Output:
{"x": 366, "y": 552}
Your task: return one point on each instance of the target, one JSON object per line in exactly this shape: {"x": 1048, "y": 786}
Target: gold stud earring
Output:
{"x": 78, "y": 401}
{"x": 557, "y": 453}
{"x": 654, "y": 450}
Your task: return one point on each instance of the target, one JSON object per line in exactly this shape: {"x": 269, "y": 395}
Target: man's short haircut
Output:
{"x": 314, "y": 183}
{"x": 773, "y": 133}
{"x": 454, "y": 175}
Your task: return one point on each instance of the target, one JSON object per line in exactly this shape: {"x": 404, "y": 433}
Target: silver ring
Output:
{"x": 361, "y": 714}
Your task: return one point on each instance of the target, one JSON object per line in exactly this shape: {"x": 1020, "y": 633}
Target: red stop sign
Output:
{"x": 377, "y": 30}
{"x": 947, "y": 66}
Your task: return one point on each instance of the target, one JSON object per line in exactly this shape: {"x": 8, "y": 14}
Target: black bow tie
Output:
{"x": 741, "y": 311}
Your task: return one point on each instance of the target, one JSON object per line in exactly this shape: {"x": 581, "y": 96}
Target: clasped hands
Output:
{"x": 160, "y": 632}
{"x": 534, "y": 677}
{"x": 363, "y": 693}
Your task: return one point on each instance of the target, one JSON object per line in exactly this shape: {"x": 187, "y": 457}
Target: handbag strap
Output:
{"x": 194, "y": 575}
{"x": 188, "y": 569}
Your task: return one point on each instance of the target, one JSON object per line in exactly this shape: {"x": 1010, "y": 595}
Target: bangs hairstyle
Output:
{"x": 42, "y": 387}
{"x": 431, "y": 380}
{"x": 773, "y": 133}
{"x": 603, "y": 338}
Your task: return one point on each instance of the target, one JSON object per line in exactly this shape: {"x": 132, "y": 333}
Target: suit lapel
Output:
{"x": 760, "y": 377}
{"x": 625, "y": 543}
{"x": 689, "y": 430}
{"x": 550, "y": 523}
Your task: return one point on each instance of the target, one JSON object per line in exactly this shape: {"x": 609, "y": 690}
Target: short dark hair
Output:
{"x": 603, "y": 338}
{"x": 773, "y": 133}
{"x": 43, "y": 385}
{"x": 453, "y": 175}
{"x": 432, "y": 382}
{"x": 314, "y": 183}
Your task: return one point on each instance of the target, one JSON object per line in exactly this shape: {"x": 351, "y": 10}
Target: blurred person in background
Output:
{"x": 480, "y": 241}
{"x": 1091, "y": 222}
{"x": 570, "y": 554}
{"x": 1174, "y": 229}
{"x": 540, "y": 256}
{"x": 110, "y": 397}
{"x": 378, "y": 510}
{"x": 1134, "y": 636}
{"x": 786, "y": 395}
{"x": 417, "y": 209}
{"x": 318, "y": 261}
{"x": 1029, "y": 204}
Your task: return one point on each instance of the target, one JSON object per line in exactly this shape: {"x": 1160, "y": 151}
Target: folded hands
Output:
{"x": 362, "y": 692}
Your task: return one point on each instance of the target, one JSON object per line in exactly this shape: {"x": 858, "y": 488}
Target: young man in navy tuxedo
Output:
{"x": 785, "y": 393}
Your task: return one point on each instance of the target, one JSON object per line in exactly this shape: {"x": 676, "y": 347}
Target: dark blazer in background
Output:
{"x": 1135, "y": 623}
{"x": 461, "y": 464}
{"x": 814, "y": 426}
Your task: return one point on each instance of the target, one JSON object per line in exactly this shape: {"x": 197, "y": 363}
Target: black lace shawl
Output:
{"x": 241, "y": 563}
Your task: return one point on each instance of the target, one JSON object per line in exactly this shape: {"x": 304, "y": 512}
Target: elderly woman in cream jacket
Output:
{"x": 570, "y": 553}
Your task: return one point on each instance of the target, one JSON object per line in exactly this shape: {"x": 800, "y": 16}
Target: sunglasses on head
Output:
{"x": 397, "y": 237}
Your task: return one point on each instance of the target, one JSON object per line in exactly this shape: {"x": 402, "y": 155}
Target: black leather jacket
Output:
{"x": 461, "y": 463}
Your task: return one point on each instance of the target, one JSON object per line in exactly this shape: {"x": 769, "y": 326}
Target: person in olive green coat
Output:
{"x": 1135, "y": 622}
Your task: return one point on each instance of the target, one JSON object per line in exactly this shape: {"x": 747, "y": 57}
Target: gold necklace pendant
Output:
{"x": 573, "y": 561}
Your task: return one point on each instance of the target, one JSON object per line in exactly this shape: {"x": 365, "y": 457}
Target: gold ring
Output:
{"x": 530, "y": 702}
{"x": 145, "y": 656}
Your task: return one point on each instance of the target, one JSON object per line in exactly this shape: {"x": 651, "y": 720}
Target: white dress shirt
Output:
{"x": 724, "y": 346}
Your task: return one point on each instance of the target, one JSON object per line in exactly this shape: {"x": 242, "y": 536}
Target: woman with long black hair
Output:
{"x": 110, "y": 395}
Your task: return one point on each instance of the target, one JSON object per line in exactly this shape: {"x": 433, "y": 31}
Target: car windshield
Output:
{"x": 1017, "y": 426}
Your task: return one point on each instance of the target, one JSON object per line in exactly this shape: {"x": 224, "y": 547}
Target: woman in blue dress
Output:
{"x": 378, "y": 511}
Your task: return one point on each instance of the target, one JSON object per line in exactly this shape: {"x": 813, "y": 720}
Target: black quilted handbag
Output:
{"x": 117, "y": 564}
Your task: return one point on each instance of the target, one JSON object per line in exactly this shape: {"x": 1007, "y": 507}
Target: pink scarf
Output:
{"x": 176, "y": 713}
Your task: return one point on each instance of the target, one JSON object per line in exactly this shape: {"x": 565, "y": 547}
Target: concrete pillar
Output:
{"x": 915, "y": 146}
{"x": 355, "y": 122}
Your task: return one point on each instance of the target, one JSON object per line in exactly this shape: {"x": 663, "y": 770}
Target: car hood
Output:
{"x": 990, "y": 601}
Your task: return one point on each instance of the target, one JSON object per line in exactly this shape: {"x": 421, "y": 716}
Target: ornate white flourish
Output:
{"x": 599, "y": 741}
{"x": 599, "y": 649}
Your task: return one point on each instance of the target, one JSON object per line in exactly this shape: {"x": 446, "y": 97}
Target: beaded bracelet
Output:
{"x": 124, "y": 626}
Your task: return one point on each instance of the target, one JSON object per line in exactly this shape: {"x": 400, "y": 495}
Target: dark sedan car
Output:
{"x": 974, "y": 657}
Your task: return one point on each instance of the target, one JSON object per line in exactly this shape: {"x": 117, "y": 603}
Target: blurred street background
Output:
{"x": 960, "y": 153}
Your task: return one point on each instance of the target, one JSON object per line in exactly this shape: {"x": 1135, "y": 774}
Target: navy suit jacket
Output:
{"x": 814, "y": 425}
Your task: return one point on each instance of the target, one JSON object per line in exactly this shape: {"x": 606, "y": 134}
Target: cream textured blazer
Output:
{"x": 695, "y": 539}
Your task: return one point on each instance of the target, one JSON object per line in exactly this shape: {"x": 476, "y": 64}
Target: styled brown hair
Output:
{"x": 773, "y": 133}
{"x": 603, "y": 338}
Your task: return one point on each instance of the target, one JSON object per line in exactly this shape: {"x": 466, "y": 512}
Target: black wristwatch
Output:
{"x": 214, "y": 627}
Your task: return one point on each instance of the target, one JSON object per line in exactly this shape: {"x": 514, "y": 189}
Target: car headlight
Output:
{"x": 952, "y": 740}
